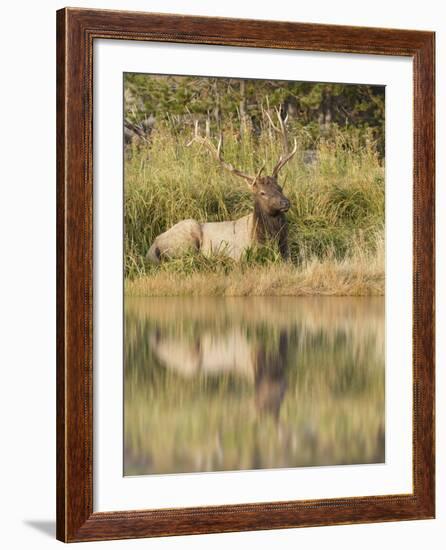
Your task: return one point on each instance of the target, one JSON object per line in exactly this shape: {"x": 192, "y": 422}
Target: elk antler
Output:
{"x": 287, "y": 154}
{"x": 216, "y": 151}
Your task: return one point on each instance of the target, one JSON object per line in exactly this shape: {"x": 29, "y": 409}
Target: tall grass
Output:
{"x": 336, "y": 222}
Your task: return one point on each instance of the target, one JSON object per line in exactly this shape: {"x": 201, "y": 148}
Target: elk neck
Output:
{"x": 267, "y": 227}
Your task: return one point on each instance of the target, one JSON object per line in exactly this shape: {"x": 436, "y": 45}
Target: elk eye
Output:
{"x": 262, "y": 193}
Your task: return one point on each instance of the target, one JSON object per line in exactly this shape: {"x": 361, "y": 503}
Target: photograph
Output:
{"x": 254, "y": 274}
{"x": 245, "y": 274}
{"x": 221, "y": 254}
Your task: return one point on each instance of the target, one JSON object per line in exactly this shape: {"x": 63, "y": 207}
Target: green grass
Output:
{"x": 336, "y": 218}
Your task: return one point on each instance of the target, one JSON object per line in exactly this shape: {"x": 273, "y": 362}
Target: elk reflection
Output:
{"x": 270, "y": 383}
{"x": 262, "y": 363}
{"x": 221, "y": 384}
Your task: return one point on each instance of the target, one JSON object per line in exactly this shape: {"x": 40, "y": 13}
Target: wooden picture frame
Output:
{"x": 76, "y": 31}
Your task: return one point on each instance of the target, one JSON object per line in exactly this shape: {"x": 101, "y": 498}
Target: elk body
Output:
{"x": 267, "y": 222}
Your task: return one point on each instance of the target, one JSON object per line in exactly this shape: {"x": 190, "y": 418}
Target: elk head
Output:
{"x": 267, "y": 192}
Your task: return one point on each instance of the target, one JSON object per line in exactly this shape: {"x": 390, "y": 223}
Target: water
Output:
{"x": 214, "y": 384}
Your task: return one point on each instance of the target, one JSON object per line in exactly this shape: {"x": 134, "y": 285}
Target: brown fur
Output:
{"x": 271, "y": 228}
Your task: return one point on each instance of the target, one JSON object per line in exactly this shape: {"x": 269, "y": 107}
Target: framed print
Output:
{"x": 245, "y": 277}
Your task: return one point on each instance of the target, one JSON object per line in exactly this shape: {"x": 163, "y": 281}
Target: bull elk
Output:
{"x": 267, "y": 221}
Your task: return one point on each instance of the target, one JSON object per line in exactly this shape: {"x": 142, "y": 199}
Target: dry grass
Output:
{"x": 356, "y": 276}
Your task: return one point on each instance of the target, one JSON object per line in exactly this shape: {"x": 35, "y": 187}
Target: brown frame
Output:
{"x": 76, "y": 31}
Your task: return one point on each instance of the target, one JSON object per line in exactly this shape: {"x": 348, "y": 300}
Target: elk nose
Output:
{"x": 285, "y": 204}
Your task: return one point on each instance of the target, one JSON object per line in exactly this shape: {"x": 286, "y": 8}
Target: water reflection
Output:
{"x": 241, "y": 383}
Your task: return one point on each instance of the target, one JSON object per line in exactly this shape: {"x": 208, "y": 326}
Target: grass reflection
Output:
{"x": 241, "y": 383}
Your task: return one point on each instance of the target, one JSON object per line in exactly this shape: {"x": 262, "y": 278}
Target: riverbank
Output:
{"x": 358, "y": 276}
